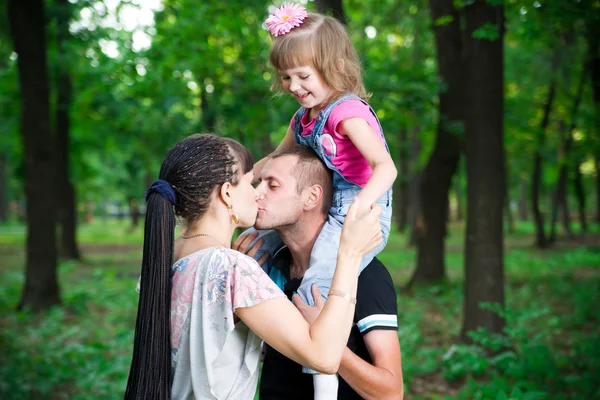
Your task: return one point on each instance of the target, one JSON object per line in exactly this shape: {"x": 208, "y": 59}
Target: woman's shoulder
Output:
{"x": 240, "y": 259}
{"x": 218, "y": 260}
{"x": 216, "y": 255}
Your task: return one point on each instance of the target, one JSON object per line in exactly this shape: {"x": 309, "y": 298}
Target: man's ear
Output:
{"x": 315, "y": 197}
{"x": 225, "y": 193}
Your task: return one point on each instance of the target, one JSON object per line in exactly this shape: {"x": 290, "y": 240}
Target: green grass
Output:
{"x": 82, "y": 349}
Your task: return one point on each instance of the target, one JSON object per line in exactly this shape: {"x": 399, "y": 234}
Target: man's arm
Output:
{"x": 376, "y": 312}
{"x": 383, "y": 378}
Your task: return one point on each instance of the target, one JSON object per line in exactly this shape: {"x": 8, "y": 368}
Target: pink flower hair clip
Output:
{"x": 285, "y": 18}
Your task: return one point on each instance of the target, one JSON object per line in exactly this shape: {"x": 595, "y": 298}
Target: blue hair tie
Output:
{"x": 163, "y": 188}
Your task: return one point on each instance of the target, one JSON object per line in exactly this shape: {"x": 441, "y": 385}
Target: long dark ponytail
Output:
{"x": 150, "y": 373}
{"x": 187, "y": 178}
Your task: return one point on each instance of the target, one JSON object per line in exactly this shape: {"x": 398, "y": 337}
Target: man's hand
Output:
{"x": 243, "y": 242}
{"x": 309, "y": 313}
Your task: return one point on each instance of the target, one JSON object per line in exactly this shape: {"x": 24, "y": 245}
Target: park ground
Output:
{"x": 82, "y": 349}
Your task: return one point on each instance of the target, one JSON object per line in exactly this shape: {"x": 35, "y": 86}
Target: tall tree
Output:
{"x": 402, "y": 200}
{"x": 593, "y": 39}
{"x": 415, "y": 219}
{"x": 541, "y": 241}
{"x": 580, "y": 195}
{"x": 560, "y": 193}
{"x": 3, "y": 187}
{"x": 522, "y": 203}
{"x": 335, "y": 7}
{"x": 484, "y": 151}
{"x": 28, "y": 24}
{"x": 443, "y": 161}
{"x": 6, "y": 113}
{"x": 67, "y": 212}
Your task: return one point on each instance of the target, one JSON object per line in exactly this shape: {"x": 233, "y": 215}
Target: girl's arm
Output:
{"x": 287, "y": 142}
{"x": 319, "y": 346}
{"x": 373, "y": 150}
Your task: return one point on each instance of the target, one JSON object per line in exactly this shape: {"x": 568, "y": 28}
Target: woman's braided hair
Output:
{"x": 195, "y": 167}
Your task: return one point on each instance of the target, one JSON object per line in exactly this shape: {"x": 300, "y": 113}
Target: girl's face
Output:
{"x": 244, "y": 200}
{"x": 306, "y": 85}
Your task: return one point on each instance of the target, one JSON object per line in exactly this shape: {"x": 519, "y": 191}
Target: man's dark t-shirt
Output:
{"x": 376, "y": 308}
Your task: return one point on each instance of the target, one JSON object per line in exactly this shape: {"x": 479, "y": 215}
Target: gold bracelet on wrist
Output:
{"x": 343, "y": 295}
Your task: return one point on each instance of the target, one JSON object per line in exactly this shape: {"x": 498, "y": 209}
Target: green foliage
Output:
{"x": 549, "y": 350}
{"x": 487, "y": 31}
{"x": 458, "y": 4}
{"x": 444, "y": 20}
{"x": 530, "y": 360}
{"x": 207, "y": 70}
{"x": 80, "y": 350}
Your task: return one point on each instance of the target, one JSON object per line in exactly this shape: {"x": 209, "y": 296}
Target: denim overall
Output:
{"x": 323, "y": 258}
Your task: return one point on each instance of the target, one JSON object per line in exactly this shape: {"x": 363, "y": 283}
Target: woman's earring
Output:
{"x": 234, "y": 216}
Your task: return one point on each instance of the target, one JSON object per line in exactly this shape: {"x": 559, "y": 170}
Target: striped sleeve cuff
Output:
{"x": 378, "y": 321}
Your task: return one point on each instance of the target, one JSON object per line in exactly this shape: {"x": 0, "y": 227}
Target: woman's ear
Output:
{"x": 225, "y": 193}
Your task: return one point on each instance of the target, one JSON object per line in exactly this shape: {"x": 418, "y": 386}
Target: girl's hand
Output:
{"x": 309, "y": 313}
{"x": 360, "y": 235}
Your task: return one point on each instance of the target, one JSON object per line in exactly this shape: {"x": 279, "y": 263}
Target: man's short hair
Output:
{"x": 310, "y": 171}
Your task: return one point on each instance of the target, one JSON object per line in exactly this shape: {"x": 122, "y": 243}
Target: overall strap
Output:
{"x": 321, "y": 118}
{"x": 325, "y": 112}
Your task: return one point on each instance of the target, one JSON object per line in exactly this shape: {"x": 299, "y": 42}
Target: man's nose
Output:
{"x": 258, "y": 195}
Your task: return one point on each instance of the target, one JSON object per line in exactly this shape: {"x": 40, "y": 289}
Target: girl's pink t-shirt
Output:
{"x": 344, "y": 154}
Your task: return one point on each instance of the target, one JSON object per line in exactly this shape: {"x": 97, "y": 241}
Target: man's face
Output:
{"x": 279, "y": 203}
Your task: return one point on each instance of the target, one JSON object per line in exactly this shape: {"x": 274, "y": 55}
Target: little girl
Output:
{"x": 316, "y": 63}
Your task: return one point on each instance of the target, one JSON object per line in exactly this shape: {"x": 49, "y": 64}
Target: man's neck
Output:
{"x": 300, "y": 239}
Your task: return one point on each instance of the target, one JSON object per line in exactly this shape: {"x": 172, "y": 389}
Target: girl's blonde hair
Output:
{"x": 323, "y": 43}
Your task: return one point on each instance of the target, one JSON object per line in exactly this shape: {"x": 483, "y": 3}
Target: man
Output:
{"x": 294, "y": 196}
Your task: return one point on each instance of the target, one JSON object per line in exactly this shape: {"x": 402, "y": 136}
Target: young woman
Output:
{"x": 205, "y": 308}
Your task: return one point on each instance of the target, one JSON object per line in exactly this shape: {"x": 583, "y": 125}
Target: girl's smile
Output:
{"x": 306, "y": 86}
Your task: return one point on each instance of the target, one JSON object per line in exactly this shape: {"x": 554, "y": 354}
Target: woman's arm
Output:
{"x": 320, "y": 346}
{"x": 373, "y": 150}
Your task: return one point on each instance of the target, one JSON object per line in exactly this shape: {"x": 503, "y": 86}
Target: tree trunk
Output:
{"x": 134, "y": 212}
{"x": 580, "y": 194}
{"x": 458, "y": 192}
{"x": 68, "y": 224}
{"x": 507, "y": 206}
{"x": 565, "y": 213}
{"x": 443, "y": 161}
{"x": 540, "y": 235}
{"x": 27, "y": 24}
{"x": 522, "y": 204}
{"x": 209, "y": 119}
{"x": 67, "y": 206}
{"x": 598, "y": 188}
{"x": 560, "y": 194}
{"x": 334, "y": 6}
{"x": 510, "y": 221}
{"x": 148, "y": 177}
{"x": 414, "y": 205}
{"x": 3, "y": 188}
{"x": 594, "y": 57}
{"x": 401, "y": 189}
{"x": 484, "y": 150}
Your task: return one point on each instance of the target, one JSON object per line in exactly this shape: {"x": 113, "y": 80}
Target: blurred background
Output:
{"x": 490, "y": 107}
